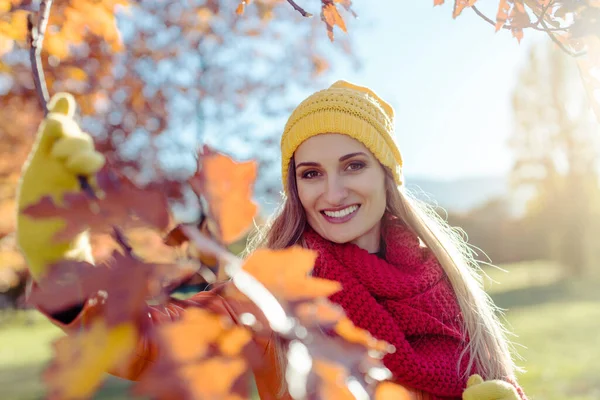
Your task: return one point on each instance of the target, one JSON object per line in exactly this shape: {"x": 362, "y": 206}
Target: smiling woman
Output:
{"x": 406, "y": 276}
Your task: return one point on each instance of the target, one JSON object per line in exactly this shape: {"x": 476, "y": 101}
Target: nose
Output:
{"x": 336, "y": 191}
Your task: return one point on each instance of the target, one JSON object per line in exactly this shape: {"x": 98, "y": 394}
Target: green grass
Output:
{"x": 556, "y": 322}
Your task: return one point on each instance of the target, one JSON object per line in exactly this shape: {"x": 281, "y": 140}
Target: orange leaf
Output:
{"x": 240, "y": 8}
{"x": 227, "y": 185}
{"x": 190, "y": 337}
{"x": 213, "y": 378}
{"x": 331, "y": 16}
{"x": 286, "y": 273}
{"x": 323, "y": 312}
{"x": 346, "y": 329}
{"x": 502, "y": 15}
{"x": 388, "y": 390}
{"x": 333, "y": 376}
{"x": 233, "y": 341}
{"x": 460, "y": 5}
{"x": 76, "y": 74}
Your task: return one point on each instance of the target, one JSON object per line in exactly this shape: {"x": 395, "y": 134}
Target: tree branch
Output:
{"x": 485, "y": 18}
{"x": 36, "y": 41}
{"x": 534, "y": 25}
{"x": 299, "y": 9}
{"x": 561, "y": 45}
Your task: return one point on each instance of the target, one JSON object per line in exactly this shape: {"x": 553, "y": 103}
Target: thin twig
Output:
{"x": 544, "y": 28}
{"x": 36, "y": 41}
{"x": 562, "y": 46}
{"x": 299, "y": 9}
{"x": 543, "y": 13}
{"x": 485, "y": 18}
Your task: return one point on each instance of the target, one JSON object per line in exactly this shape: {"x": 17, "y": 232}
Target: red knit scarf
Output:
{"x": 405, "y": 300}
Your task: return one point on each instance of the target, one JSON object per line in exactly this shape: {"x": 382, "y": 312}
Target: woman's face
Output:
{"x": 341, "y": 186}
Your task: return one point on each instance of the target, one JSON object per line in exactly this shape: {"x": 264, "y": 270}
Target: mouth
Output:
{"x": 341, "y": 215}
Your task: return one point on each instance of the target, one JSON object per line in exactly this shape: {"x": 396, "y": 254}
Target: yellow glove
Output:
{"x": 478, "y": 389}
{"x": 60, "y": 154}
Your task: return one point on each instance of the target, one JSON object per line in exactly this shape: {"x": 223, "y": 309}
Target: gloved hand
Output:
{"x": 60, "y": 154}
{"x": 496, "y": 389}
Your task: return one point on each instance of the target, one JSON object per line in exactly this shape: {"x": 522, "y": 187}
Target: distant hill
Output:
{"x": 457, "y": 195}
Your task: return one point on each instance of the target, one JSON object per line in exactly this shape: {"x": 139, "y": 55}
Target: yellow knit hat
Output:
{"x": 344, "y": 108}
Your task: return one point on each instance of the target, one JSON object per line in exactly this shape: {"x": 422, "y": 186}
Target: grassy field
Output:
{"x": 556, "y": 323}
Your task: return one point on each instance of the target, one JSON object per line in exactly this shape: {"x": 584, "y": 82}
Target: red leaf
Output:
{"x": 119, "y": 202}
{"x": 122, "y": 287}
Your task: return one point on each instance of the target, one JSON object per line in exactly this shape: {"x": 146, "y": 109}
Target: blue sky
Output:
{"x": 450, "y": 82}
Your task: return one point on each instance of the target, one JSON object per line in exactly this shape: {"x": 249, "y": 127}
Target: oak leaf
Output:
{"x": 227, "y": 186}
{"x": 286, "y": 273}
{"x": 119, "y": 202}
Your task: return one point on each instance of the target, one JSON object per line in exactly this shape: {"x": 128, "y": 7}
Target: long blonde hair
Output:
{"x": 488, "y": 349}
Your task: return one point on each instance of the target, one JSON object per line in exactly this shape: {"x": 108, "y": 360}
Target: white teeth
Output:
{"x": 341, "y": 213}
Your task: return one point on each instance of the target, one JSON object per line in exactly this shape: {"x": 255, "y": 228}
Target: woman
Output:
{"x": 406, "y": 278}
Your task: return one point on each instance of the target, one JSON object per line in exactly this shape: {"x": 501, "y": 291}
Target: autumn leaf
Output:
{"x": 190, "y": 338}
{"x": 331, "y": 16}
{"x": 333, "y": 380}
{"x": 321, "y": 312}
{"x": 460, "y": 5}
{"x": 200, "y": 357}
{"x": 285, "y": 273}
{"x": 241, "y": 8}
{"x": 82, "y": 358}
{"x": 389, "y": 390}
{"x": 233, "y": 341}
{"x": 119, "y": 202}
{"x": 123, "y": 286}
{"x": 227, "y": 186}
{"x": 347, "y": 330}
{"x": 212, "y": 378}
{"x": 502, "y": 14}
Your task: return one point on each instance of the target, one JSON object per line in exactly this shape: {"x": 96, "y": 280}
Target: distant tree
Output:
{"x": 555, "y": 144}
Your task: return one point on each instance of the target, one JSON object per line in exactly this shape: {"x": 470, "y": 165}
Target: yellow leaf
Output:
{"x": 76, "y": 73}
{"x": 82, "y": 359}
{"x": 6, "y": 45}
{"x": 5, "y": 6}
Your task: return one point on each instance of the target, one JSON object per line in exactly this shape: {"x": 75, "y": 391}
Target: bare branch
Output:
{"x": 485, "y": 18}
{"x": 299, "y": 9}
{"x": 36, "y": 41}
{"x": 561, "y": 45}
{"x": 542, "y": 14}
{"x": 534, "y": 25}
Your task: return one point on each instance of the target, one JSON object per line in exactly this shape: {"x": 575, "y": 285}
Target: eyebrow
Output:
{"x": 342, "y": 158}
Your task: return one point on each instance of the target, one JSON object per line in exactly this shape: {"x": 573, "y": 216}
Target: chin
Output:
{"x": 339, "y": 237}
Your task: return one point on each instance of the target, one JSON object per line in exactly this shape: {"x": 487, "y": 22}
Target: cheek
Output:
{"x": 306, "y": 196}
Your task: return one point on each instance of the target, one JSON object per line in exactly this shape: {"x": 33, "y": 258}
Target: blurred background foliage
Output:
{"x": 196, "y": 71}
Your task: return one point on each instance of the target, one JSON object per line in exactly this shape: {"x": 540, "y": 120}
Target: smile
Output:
{"x": 339, "y": 216}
